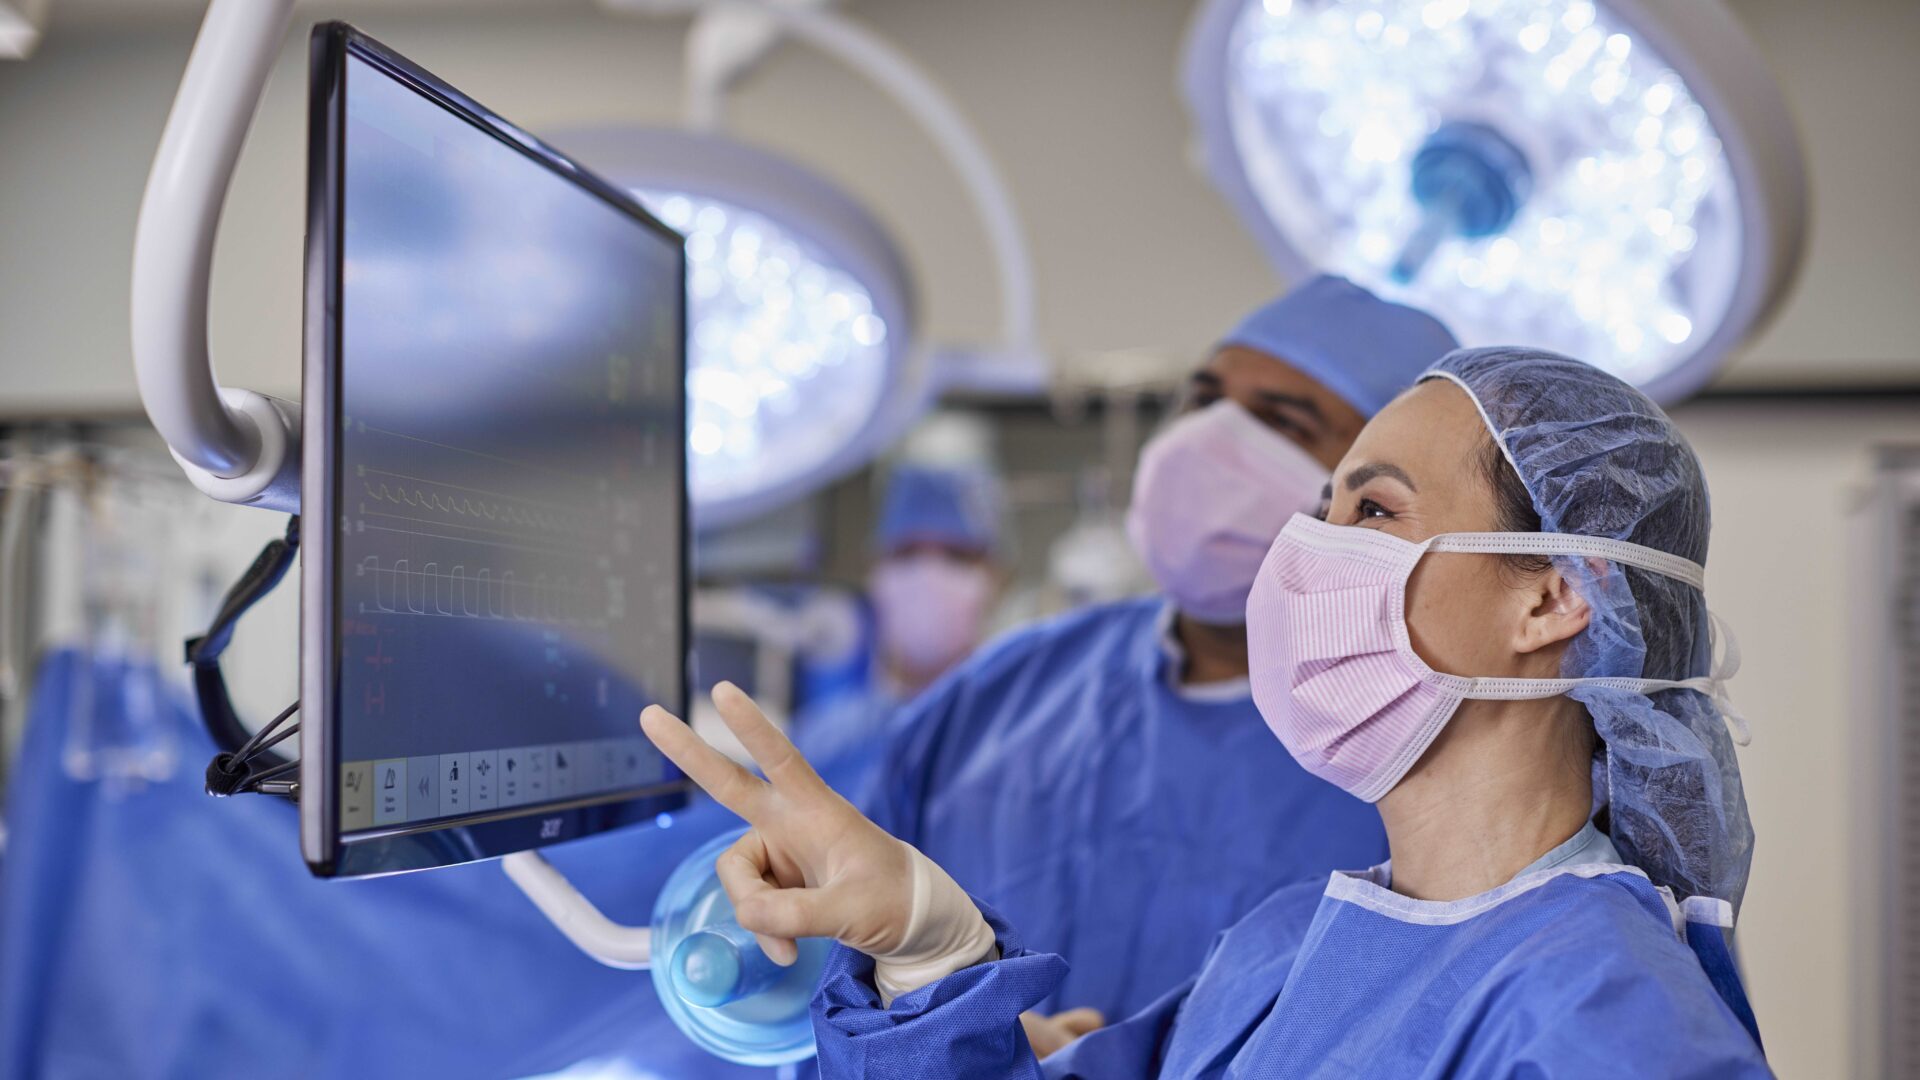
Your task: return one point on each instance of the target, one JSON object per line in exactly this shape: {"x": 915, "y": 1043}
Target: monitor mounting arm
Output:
{"x": 235, "y": 445}
{"x": 609, "y": 942}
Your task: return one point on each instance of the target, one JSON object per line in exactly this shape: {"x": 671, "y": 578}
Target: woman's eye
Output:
{"x": 1370, "y": 509}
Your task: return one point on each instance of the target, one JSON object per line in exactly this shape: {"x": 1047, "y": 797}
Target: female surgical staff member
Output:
{"x": 1071, "y": 773}
{"x": 1568, "y": 834}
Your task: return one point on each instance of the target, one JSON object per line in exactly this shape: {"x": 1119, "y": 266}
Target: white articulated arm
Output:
{"x": 723, "y": 45}
{"x": 609, "y": 942}
{"x": 1017, "y": 362}
{"x": 235, "y": 445}
{"x": 20, "y": 23}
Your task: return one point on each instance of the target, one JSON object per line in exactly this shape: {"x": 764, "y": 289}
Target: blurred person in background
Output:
{"x": 936, "y": 577}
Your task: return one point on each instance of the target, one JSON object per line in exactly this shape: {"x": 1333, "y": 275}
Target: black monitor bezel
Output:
{"x": 481, "y": 836}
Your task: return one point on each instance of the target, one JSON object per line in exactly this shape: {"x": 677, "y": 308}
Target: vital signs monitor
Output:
{"x": 494, "y": 577}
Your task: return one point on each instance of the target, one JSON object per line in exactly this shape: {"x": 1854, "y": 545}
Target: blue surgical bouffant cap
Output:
{"x": 1599, "y": 458}
{"x": 958, "y": 507}
{"x": 1355, "y": 344}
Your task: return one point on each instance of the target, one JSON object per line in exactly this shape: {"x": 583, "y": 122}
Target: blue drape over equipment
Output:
{"x": 161, "y": 933}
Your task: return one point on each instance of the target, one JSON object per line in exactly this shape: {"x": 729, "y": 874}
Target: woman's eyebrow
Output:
{"x": 1367, "y": 472}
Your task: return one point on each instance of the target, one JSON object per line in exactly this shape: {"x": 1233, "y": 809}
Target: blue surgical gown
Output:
{"x": 1061, "y": 776}
{"x": 1571, "y": 972}
{"x": 845, "y": 739}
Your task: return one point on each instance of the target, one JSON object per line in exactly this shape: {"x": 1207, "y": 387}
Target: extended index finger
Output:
{"x": 771, "y": 750}
{"x": 730, "y": 785}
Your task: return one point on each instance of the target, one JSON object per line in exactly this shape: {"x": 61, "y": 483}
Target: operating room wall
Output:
{"x": 1789, "y": 485}
{"x": 1076, "y": 100}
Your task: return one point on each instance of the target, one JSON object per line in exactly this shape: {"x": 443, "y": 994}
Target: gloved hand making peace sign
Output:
{"x": 812, "y": 866}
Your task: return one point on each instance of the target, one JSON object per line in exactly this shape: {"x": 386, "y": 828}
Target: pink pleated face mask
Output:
{"x": 932, "y": 609}
{"x": 1211, "y": 493}
{"x": 1334, "y": 673}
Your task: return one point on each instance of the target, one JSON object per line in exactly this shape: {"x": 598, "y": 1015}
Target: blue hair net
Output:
{"x": 958, "y": 507}
{"x": 1360, "y": 347}
{"x": 1600, "y": 459}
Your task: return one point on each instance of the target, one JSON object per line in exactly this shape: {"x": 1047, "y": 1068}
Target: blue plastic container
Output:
{"x": 716, "y": 983}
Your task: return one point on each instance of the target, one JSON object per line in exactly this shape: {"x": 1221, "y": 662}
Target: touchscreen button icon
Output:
{"x": 483, "y": 789}
{"x": 356, "y": 795}
{"x": 423, "y": 793}
{"x": 390, "y": 796}
{"x": 456, "y": 784}
{"x": 533, "y": 764}
{"x": 513, "y": 777}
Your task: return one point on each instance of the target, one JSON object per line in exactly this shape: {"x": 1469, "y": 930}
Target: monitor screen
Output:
{"x": 501, "y": 435}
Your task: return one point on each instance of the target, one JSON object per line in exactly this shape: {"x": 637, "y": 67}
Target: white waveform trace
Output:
{"x": 502, "y": 510}
{"x": 401, "y": 589}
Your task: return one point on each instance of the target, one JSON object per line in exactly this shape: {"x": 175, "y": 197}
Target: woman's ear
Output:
{"x": 1557, "y": 614}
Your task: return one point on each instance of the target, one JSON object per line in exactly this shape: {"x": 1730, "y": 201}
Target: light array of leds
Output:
{"x": 786, "y": 354}
{"x": 1616, "y": 255}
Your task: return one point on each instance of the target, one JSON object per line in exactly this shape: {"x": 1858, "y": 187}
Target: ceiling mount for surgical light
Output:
{"x": 1620, "y": 182}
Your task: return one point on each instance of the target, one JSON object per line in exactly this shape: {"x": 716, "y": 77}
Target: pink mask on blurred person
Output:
{"x": 1211, "y": 493}
{"x": 931, "y": 608}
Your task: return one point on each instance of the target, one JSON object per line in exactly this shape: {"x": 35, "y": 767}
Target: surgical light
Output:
{"x": 800, "y": 315}
{"x": 1618, "y": 182}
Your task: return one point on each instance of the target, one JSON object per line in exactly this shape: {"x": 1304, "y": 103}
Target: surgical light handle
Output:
{"x": 235, "y": 445}
{"x": 615, "y": 945}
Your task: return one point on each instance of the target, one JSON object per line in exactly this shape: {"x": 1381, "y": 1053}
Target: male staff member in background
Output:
{"x": 1078, "y": 775}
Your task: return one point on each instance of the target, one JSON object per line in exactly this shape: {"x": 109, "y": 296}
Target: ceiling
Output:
{"x": 96, "y": 13}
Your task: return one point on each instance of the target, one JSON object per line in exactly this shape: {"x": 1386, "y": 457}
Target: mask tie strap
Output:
{"x": 1721, "y": 640}
{"x": 1623, "y": 552}
{"x": 1742, "y": 731}
{"x": 1723, "y": 650}
{"x": 1724, "y": 647}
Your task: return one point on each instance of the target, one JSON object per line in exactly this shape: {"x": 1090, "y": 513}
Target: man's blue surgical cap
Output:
{"x": 1600, "y": 459}
{"x": 955, "y": 507}
{"x": 1360, "y": 347}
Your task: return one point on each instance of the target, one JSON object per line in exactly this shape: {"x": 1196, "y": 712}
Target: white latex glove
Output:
{"x": 813, "y": 866}
{"x": 1048, "y": 1034}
